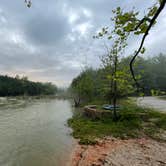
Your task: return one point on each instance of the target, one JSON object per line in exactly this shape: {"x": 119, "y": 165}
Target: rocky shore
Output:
{"x": 116, "y": 152}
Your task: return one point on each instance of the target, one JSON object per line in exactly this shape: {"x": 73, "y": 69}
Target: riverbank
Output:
{"x": 139, "y": 137}
{"x": 133, "y": 122}
{"x": 115, "y": 152}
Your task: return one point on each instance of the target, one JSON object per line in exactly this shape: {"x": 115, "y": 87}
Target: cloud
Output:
{"x": 46, "y": 29}
{"x": 52, "y": 41}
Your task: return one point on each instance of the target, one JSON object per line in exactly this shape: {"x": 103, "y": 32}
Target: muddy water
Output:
{"x": 34, "y": 133}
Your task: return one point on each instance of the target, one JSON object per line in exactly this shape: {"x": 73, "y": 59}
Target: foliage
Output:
{"x": 125, "y": 85}
{"x": 22, "y": 86}
{"x": 83, "y": 86}
{"x": 93, "y": 85}
{"x": 129, "y": 22}
{"x": 28, "y": 3}
{"x": 118, "y": 76}
{"x": 153, "y": 75}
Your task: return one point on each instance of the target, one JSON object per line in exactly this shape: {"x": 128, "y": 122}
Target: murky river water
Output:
{"x": 34, "y": 133}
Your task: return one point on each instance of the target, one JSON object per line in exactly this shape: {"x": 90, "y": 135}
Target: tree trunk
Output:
{"x": 77, "y": 102}
{"x": 115, "y": 89}
{"x": 114, "y": 102}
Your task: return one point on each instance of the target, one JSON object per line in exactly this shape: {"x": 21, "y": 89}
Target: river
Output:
{"x": 35, "y": 132}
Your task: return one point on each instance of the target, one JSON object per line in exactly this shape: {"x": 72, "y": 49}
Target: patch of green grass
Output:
{"x": 133, "y": 122}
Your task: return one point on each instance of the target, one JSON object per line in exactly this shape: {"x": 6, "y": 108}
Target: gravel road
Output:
{"x": 152, "y": 102}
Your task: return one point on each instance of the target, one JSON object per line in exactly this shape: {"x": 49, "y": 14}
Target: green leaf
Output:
{"x": 143, "y": 50}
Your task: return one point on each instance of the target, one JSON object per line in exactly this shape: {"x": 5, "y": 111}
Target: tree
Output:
{"x": 117, "y": 75}
{"x": 22, "y": 86}
{"x": 130, "y": 22}
{"x": 82, "y": 87}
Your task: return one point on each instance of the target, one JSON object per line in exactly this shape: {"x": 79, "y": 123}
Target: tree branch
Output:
{"x": 141, "y": 22}
{"x": 152, "y": 21}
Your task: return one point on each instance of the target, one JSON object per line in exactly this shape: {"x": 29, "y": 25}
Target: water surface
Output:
{"x": 34, "y": 133}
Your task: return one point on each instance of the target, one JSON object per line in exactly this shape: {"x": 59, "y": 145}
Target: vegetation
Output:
{"x": 114, "y": 82}
{"x": 129, "y": 22}
{"x": 117, "y": 75}
{"x": 93, "y": 84}
{"x": 134, "y": 122}
{"x": 123, "y": 24}
{"x": 22, "y": 86}
{"x": 83, "y": 86}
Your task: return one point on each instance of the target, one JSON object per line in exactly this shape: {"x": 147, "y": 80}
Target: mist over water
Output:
{"x": 34, "y": 133}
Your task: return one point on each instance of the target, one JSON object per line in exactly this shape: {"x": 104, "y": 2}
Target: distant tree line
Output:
{"x": 10, "y": 86}
{"x": 152, "y": 74}
{"x": 92, "y": 84}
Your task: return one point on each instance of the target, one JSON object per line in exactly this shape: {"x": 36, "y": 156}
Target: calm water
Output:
{"x": 34, "y": 133}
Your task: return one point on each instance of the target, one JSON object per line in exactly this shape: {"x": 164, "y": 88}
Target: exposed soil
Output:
{"x": 116, "y": 152}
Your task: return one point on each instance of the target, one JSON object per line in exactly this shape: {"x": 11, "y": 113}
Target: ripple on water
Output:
{"x": 35, "y": 134}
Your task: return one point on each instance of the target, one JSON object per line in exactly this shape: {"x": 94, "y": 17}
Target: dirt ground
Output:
{"x": 116, "y": 152}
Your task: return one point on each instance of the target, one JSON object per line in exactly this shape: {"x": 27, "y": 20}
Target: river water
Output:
{"x": 34, "y": 132}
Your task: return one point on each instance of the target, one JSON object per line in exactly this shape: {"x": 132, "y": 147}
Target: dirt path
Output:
{"x": 152, "y": 102}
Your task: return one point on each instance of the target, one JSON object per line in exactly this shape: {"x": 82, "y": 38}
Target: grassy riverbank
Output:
{"x": 134, "y": 122}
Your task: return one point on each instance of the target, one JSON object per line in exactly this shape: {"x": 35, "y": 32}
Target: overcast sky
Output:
{"x": 52, "y": 41}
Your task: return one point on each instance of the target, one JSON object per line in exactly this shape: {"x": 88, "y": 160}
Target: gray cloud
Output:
{"x": 52, "y": 41}
{"x": 44, "y": 30}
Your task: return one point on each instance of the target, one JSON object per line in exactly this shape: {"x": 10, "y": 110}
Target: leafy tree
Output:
{"x": 82, "y": 87}
{"x": 22, "y": 86}
{"x": 117, "y": 75}
{"x": 97, "y": 86}
{"x": 130, "y": 22}
{"x": 154, "y": 75}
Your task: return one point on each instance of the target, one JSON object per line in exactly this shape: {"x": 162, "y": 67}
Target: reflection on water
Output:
{"x": 34, "y": 133}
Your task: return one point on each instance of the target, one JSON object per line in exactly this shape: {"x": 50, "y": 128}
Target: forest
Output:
{"x": 17, "y": 86}
{"x": 93, "y": 84}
